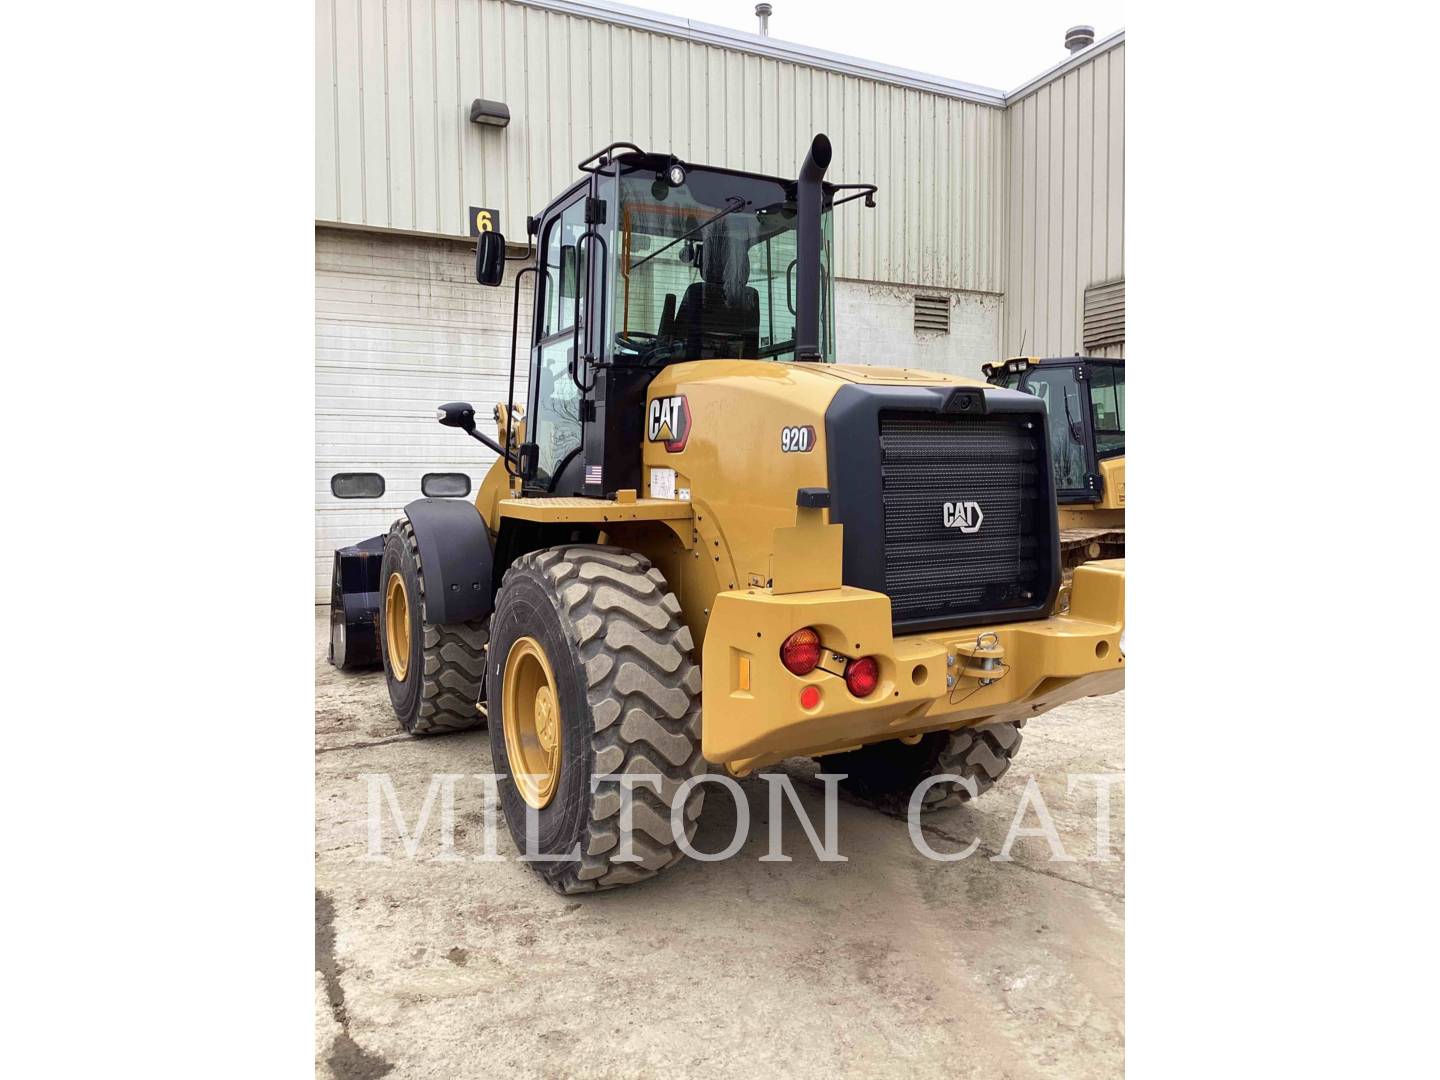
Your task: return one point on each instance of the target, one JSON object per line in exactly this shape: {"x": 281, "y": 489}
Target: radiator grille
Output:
{"x": 935, "y": 566}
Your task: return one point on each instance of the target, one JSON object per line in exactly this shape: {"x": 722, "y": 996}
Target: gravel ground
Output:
{"x": 888, "y": 964}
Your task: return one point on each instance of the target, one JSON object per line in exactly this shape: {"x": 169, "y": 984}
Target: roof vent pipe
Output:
{"x": 762, "y": 12}
{"x": 1079, "y": 38}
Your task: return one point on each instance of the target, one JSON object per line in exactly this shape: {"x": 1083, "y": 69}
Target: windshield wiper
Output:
{"x": 739, "y": 204}
{"x": 1070, "y": 420}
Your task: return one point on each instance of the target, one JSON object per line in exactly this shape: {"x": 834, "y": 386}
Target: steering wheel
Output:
{"x": 638, "y": 340}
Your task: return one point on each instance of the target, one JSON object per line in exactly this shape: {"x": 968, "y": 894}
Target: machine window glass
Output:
{"x": 1107, "y": 402}
{"x": 556, "y": 429}
{"x": 706, "y": 269}
{"x": 1060, "y": 390}
{"x": 555, "y": 423}
{"x": 563, "y": 270}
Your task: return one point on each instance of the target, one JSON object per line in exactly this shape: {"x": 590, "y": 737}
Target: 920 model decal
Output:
{"x": 668, "y": 422}
{"x": 797, "y": 440}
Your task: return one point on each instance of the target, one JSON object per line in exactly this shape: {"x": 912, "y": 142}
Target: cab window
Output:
{"x": 1060, "y": 390}
{"x": 707, "y": 269}
{"x": 1107, "y": 404}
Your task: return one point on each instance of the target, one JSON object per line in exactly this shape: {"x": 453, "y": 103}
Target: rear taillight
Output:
{"x": 862, "y": 675}
{"x": 801, "y": 652}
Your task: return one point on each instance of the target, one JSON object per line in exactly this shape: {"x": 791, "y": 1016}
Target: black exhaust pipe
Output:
{"x": 809, "y": 196}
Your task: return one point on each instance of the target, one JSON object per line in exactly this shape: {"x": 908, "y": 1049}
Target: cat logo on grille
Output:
{"x": 965, "y": 516}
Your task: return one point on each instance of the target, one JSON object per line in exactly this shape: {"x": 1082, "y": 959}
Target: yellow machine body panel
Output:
{"x": 1112, "y": 473}
{"x": 1101, "y": 524}
{"x": 727, "y": 446}
{"x": 754, "y": 714}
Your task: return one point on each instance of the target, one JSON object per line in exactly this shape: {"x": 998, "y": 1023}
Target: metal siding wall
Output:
{"x": 395, "y": 148}
{"x": 1066, "y": 195}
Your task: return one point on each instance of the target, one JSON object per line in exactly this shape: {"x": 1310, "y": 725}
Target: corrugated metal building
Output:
{"x": 999, "y": 220}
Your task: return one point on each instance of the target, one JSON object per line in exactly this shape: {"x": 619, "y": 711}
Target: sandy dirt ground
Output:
{"x": 888, "y": 964}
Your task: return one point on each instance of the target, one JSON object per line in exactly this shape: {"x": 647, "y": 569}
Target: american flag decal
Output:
{"x": 592, "y": 474}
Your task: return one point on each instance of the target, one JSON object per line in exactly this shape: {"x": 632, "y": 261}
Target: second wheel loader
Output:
{"x": 1084, "y": 397}
{"x": 707, "y": 546}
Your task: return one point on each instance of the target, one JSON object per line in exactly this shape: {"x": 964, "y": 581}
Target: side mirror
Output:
{"x": 459, "y": 414}
{"x": 490, "y": 258}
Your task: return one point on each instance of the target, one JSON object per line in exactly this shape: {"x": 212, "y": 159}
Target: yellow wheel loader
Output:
{"x": 1085, "y": 399}
{"x": 706, "y": 546}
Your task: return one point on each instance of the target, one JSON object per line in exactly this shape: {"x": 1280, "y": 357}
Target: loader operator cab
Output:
{"x": 1085, "y": 399}
{"x": 651, "y": 261}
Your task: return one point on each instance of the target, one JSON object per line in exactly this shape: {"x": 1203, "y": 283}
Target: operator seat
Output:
{"x": 709, "y": 322}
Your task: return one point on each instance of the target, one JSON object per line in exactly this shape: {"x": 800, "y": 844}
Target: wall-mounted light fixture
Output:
{"x": 494, "y": 113}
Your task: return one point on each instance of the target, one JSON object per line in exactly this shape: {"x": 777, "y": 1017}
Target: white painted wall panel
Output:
{"x": 875, "y": 324}
{"x": 1066, "y": 203}
{"x": 395, "y": 148}
{"x": 400, "y": 327}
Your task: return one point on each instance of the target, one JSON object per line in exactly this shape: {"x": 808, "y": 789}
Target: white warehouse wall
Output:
{"x": 875, "y": 324}
{"x": 401, "y": 327}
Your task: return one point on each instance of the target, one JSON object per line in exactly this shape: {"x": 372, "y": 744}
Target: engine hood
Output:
{"x": 891, "y": 376}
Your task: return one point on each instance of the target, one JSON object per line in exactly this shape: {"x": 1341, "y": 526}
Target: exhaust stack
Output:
{"x": 809, "y": 196}
{"x": 762, "y": 12}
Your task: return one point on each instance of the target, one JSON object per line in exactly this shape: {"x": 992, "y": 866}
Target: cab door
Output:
{"x": 554, "y": 414}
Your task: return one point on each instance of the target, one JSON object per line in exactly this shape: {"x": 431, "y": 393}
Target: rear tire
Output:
{"x": 435, "y": 672}
{"x": 628, "y": 698}
{"x": 888, "y": 772}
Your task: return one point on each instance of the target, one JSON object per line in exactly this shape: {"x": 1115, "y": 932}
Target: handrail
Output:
{"x": 594, "y": 237}
{"x": 510, "y": 393}
{"x": 583, "y": 166}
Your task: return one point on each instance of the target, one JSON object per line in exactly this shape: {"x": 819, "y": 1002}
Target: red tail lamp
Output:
{"x": 801, "y": 652}
{"x": 862, "y": 676}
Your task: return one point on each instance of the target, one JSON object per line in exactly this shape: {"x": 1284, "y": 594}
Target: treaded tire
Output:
{"x": 629, "y": 700}
{"x": 445, "y": 677}
{"x": 887, "y": 772}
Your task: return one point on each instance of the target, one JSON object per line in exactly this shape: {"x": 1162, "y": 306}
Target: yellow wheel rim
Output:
{"x": 532, "y": 722}
{"x": 397, "y": 626}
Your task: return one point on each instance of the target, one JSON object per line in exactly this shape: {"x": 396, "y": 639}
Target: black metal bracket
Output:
{"x": 862, "y": 191}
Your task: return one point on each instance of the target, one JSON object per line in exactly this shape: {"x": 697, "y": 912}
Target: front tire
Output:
{"x": 888, "y": 772}
{"x": 592, "y": 679}
{"x": 435, "y": 672}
